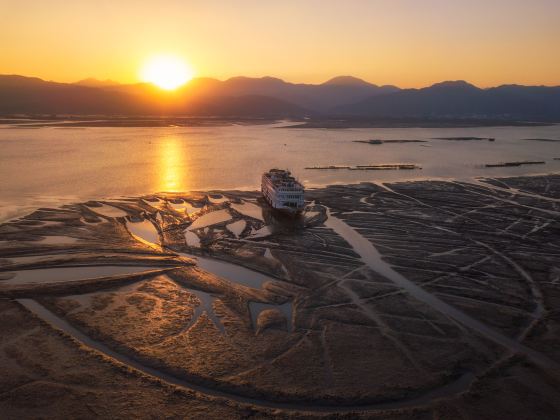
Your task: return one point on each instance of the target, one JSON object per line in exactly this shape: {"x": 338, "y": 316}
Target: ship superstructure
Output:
{"x": 282, "y": 191}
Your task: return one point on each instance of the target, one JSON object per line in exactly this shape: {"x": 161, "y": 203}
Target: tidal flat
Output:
{"x": 414, "y": 299}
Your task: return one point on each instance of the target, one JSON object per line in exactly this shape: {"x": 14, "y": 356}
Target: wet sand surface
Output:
{"x": 427, "y": 299}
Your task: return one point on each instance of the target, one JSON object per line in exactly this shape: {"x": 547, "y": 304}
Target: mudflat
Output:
{"x": 425, "y": 299}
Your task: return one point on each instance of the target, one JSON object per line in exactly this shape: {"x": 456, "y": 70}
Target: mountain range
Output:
{"x": 344, "y": 97}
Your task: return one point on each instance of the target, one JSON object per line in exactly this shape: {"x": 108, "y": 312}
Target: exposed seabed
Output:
{"x": 381, "y": 300}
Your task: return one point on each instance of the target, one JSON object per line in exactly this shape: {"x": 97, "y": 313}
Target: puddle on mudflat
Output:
{"x": 192, "y": 239}
{"x": 204, "y": 221}
{"x": 212, "y": 218}
{"x": 62, "y": 274}
{"x": 249, "y": 209}
{"x": 232, "y": 272}
{"x": 157, "y": 205}
{"x": 185, "y": 207}
{"x": 108, "y": 211}
{"x": 217, "y": 198}
{"x": 237, "y": 228}
{"x": 262, "y": 232}
{"x": 145, "y": 231}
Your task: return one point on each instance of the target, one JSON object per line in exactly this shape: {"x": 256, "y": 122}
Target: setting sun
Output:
{"x": 166, "y": 71}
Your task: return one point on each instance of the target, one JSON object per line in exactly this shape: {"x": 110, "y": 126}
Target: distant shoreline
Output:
{"x": 104, "y": 121}
{"x": 331, "y": 123}
{"x": 77, "y": 121}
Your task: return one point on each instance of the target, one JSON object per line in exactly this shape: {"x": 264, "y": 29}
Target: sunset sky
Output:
{"x": 410, "y": 43}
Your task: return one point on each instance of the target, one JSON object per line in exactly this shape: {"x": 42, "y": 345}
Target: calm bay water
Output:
{"x": 47, "y": 166}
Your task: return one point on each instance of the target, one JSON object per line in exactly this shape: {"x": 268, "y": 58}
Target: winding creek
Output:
{"x": 60, "y": 324}
{"x": 68, "y": 274}
{"x": 242, "y": 275}
{"x": 147, "y": 232}
{"x": 372, "y": 258}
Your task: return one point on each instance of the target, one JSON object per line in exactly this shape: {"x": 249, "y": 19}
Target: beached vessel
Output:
{"x": 282, "y": 191}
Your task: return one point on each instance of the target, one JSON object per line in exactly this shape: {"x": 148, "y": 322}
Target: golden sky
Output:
{"x": 409, "y": 43}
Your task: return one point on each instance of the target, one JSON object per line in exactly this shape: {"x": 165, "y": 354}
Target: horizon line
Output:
{"x": 118, "y": 83}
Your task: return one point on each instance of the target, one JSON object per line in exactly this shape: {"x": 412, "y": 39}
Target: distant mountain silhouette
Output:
{"x": 318, "y": 98}
{"x": 91, "y": 82}
{"x": 459, "y": 99}
{"x": 242, "y": 106}
{"x": 343, "y": 96}
{"x": 347, "y": 81}
{"x": 25, "y": 95}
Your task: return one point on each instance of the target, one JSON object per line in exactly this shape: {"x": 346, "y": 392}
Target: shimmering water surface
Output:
{"x": 48, "y": 165}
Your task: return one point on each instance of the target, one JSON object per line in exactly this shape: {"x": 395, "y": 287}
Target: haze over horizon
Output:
{"x": 404, "y": 43}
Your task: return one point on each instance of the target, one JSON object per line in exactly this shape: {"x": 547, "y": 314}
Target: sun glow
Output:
{"x": 173, "y": 169}
{"x": 166, "y": 71}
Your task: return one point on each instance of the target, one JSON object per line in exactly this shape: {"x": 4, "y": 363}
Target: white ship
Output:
{"x": 282, "y": 191}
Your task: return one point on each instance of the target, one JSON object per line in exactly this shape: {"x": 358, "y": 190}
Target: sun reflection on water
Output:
{"x": 173, "y": 170}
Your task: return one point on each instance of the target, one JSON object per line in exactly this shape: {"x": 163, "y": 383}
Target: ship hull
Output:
{"x": 283, "y": 192}
{"x": 287, "y": 211}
